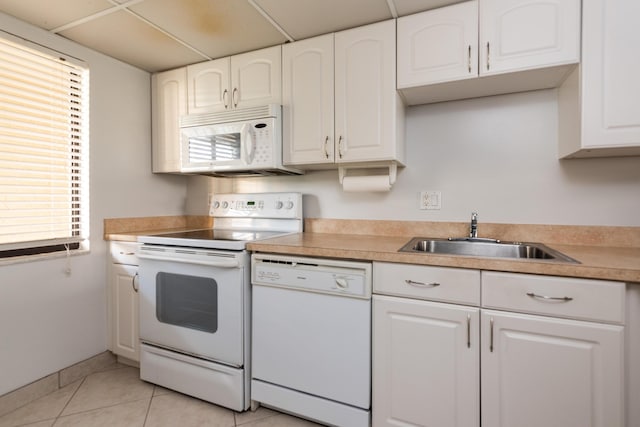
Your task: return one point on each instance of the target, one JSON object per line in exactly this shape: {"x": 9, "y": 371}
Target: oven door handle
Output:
{"x": 227, "y": 263}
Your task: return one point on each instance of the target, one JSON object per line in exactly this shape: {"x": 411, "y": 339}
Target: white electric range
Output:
{"x": 195, "y": 297}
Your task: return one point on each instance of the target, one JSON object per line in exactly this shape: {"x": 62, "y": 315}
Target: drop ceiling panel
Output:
{"x": 407, "y": 7}
{"x": 302, "y": 19}
{"x": 48, "y": 14}
{"x": 123, "y": 36}
{"x": 215, "y": 27}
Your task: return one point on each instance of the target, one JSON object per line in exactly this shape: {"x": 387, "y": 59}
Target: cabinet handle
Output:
{"x": 469, "y": 59}
{"x": 127, "y": 253}
{"x": 340, "y": 146}
{"x": 326, "y": 142}
{"x": 548, "y": 298}
{"x": 488, "y": 55}
{"x": 225, "y": 95}
{"x": 133, "y": 283}
{"x": 234, "y": 98}
{"x": 491, "y": 335}
{"x": 468, "y": 331}
{"x": 421, "y": 284}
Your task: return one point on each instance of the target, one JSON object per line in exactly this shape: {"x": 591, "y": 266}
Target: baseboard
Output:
{"x": 37, "y": 389}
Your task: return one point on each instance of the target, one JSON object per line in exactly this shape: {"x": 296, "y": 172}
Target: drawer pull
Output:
{"x": 421, "y": 284}
{"x": 127, "y": 253}
{"x": 547, "y": 298}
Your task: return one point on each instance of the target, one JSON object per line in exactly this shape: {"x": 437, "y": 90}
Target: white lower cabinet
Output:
{"x": 123, "y": 301}
{"x": 540, "y": 371}
{"x": 519, "y": 359}
{"x": 425, "y": 360}
{"x": 425, "y": 353}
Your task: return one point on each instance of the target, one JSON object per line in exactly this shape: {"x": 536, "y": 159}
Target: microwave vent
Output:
{"x": 230, "y": 116}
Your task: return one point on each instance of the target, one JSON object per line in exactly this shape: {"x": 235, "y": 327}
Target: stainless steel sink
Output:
{"x": 485, "y": 248}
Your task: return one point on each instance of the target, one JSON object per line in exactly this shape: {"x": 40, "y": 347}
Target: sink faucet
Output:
{"x": 473, "y": 229}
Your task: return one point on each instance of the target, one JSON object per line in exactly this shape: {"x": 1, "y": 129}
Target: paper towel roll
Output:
{"x": 366, "y": 183}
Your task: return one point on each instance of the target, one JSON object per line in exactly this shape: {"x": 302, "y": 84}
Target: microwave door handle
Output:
{"x": 248, "y": 142}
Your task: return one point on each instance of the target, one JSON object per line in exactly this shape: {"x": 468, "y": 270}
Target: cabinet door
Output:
{"x": 307, "y": 92}
{"x": 425, "y": 363}
{"x": 125, "y": 326}
{"x": 208, "y": 86}
{"x": 539, "y": 371}
{"x": 438, "y": 45}
{"x": 365, "y": 91}
{"x": 256, "y": 78}
{"x": 524, "y": 34}
{"x": 610, "y": 70}
{"x": 169, "y": 102}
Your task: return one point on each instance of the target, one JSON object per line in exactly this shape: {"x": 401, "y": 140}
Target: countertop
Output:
{"x": 596, "y": 262}
{"x": 609, "y": 253}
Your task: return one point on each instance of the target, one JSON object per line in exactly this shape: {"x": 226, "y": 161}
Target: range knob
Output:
{"x": 216, "y": 204}
{"x": 279, "y": 204}
{"x": 289, "y": 205}
{"x": 225, "y": 205}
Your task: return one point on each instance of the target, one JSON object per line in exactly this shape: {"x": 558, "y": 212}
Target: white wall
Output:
{"x": 48, "y": 320}
{"x": 495, "y": 155}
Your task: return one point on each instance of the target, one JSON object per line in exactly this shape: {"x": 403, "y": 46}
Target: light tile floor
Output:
{"x": 118, "y": 398}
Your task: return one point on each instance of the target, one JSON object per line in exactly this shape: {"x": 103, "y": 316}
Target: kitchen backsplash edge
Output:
{"x": 611, "y": 236}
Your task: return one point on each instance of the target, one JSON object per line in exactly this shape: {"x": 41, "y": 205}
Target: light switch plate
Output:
{"x": 430, "y": 200}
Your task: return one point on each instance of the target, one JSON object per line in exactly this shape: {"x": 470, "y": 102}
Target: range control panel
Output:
{"x": 257, "y": 205}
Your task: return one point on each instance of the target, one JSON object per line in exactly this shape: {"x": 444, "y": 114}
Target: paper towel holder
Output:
{"x": 393, "y": 170}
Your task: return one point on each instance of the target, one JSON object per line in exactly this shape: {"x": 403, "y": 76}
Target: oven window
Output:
{"x": 187, "y": 301}
{"x": 208, "y": 148}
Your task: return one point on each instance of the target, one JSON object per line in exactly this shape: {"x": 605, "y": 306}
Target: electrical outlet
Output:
{"x": 430, "y": 200}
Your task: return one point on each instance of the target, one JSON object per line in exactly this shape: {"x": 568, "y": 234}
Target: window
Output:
{"x": 43, "y": 149}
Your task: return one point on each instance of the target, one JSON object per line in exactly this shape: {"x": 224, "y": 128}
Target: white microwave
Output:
{"x": 242, "y": 142}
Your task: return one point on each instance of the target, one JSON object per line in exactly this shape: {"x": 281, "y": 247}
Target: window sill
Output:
{"x": 41, "y": 257}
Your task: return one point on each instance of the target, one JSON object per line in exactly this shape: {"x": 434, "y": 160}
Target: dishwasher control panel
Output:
{"x": 346, "y": 278}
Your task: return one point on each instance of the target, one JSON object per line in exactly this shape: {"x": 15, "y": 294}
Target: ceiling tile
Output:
{"x": 45, "y": 14}
{"x": 407, "y": 7}
{"x": 307, "y": 18}
{"x": 216, "y": 27}
{"x": 123, "y": 36}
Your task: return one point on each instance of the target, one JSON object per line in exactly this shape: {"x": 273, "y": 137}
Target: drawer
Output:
{"x": 425, "y": 282}
{"x": 124, "y": 252}
{"x": 584, "y": 299}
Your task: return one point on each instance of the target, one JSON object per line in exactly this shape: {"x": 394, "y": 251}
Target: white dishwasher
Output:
{"x": 311, "y": 338}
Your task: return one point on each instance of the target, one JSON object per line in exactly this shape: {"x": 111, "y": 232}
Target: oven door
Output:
{"x": 193, "y": 301}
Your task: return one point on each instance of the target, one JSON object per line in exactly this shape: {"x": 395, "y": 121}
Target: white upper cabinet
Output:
{"x": 599, "y": 104}
{"x": 209, "y": 86}
{"x": 307, "y": 94}
{"x": 487, "y": 47}
{"x": 340, "y": 99}
{"x": 368, "y": 112}
{"x": 441, "y": 45}
{"x": 246, "y": 80}
{"x": 256, "y": 78}
{"x": 524, "y": 34}
{"x": 169, "y": 102}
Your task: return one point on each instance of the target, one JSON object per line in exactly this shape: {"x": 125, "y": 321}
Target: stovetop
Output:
{"x": 239, "y": 219}
{"x": 210, "y": 238}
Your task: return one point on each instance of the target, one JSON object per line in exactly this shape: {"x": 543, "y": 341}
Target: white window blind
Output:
{"x": 43, "y": 148}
